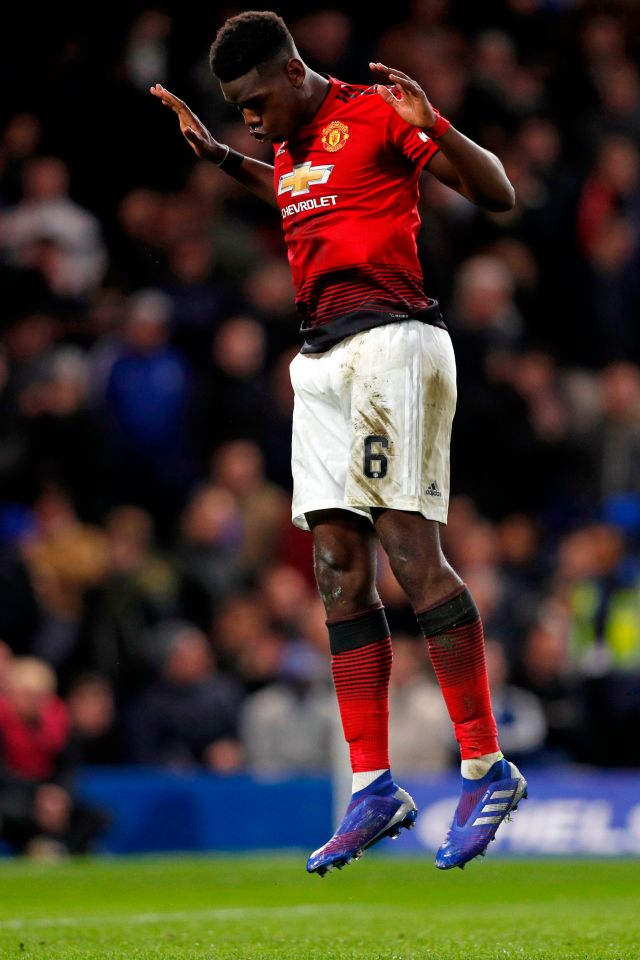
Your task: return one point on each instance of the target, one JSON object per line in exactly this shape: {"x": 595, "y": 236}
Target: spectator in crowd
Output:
{"x": 147, "y": 412}
{"x": 29, "y": 343}
{"x": 286, "y": 596}
{"x": 141, "y": 588}
{"x": 617, "y": 440}
{"x": 146, "y": 53}
{"x": 199, "y": 302}
{"x": 289, "y": 725}
{"x": 21, "y": 140}
{"x": 211, "y": 535}
{"x": 240, "y": 619}
{"x": 602, "y": 593}
{"x": 270, "y": 295}
{"x": 325, "y": 37}
{"x": 39, "y": 814}
{"x": 47, "y": 212}
{"x": 189, "y": 715}
{"x": 95, "y": 736}
{"x": 608, "y": 226}
{"x": 236, "y": 397}
{"x": 238, "y": 466}
{"x": 63, "y": 447}
{"x": 65, "y": 558}
{"x": 138, "y": 258}
{"x": 507, "y": 90}
{"x": 543, "y": 667}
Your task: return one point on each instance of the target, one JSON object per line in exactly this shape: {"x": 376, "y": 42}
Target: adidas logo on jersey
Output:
{"x": 433, "y": 490}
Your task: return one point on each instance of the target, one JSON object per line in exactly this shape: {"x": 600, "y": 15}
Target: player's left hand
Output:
{"x": 409, "y": 99}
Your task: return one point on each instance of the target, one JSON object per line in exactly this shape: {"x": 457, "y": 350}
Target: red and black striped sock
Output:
{"x": 453, "y": 631}
{"x": 361, "y": 665}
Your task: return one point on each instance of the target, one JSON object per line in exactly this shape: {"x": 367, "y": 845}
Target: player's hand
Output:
{"x": 193, "y": 130}
{"x": 408, "y": 99}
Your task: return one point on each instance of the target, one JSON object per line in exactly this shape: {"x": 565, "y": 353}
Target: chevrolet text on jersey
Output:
{"x": 313, "y": 204}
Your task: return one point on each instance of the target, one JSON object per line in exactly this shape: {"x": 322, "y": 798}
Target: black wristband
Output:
{"x": 232, "y": 162}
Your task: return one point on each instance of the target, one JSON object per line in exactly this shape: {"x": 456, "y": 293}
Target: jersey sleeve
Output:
{"x": 413, "y": 144}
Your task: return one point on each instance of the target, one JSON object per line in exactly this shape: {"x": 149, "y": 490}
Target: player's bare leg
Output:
{"x": 344, "y": 559}
{"x": 344, "y": 547}
{"x": 449, "y": 619}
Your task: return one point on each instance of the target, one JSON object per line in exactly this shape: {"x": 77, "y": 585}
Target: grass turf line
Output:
{"x": 262, "y": 908}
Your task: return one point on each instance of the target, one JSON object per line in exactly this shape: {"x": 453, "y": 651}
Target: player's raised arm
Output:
{"x": 461, "y": 163}
{"x": 255, "y": 175}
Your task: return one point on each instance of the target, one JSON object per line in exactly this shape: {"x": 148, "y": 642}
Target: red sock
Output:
{"x": 454, "y": 634}
{"x": 361, "y": 665}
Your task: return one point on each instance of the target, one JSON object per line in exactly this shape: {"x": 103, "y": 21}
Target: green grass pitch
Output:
{"x": 260, "y": 908}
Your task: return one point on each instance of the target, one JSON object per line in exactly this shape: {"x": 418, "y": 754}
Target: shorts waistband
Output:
{"x": 321, "y": 338}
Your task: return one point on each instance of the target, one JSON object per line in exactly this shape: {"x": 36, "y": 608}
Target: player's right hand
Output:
{"x": 193, "y": 130}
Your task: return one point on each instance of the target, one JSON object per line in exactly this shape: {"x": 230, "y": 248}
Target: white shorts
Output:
{"x": 372, "y": 423}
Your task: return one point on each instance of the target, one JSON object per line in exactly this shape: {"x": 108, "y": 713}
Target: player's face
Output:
{"x": 270, "y": 101}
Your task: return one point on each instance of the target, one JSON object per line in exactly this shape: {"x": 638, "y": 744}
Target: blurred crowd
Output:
{"x": 156, "y": 605}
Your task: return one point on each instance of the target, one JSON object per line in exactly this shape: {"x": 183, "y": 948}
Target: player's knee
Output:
{"x": 333, "y": 563}
{"x": 343, "y": 575}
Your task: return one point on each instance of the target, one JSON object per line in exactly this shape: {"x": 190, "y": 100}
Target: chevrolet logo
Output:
{"x": 303, "y": 177}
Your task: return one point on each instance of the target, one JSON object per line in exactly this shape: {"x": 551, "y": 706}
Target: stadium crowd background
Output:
{"x": 148, "y": 569}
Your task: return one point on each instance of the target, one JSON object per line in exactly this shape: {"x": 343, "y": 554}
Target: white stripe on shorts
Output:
{"x": 414, "y": 399}
{"x": 416, "y": 443}
{"x": 420, "y": 405}
{"x": 405, "y": 431}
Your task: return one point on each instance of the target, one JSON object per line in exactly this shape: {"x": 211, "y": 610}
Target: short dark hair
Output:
{"x": 247, "y": 40}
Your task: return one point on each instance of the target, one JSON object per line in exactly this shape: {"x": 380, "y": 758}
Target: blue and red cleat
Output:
{"x": 483, "y": 806}
{"x": 379, "y": 811}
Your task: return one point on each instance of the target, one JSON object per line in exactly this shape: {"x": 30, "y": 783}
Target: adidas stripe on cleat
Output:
{"x": 483, "y": 806}
{"x": 369, "y": 819}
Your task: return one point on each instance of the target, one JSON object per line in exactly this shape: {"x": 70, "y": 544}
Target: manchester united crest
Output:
{"x": 334, "y": 136}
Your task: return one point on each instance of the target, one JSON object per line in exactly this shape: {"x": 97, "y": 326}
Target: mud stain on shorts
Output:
{"x": 439, "y": 408}
{"x": 375, "y": 420}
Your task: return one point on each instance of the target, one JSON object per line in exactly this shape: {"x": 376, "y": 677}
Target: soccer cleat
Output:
{"x": 483, "y": 806}
{"x": 370, "y": 817}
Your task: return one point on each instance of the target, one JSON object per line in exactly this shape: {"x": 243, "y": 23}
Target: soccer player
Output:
{"x": 375, "y": 394}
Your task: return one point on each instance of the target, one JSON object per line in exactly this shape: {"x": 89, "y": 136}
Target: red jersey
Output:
{"x": 348, "y": 190}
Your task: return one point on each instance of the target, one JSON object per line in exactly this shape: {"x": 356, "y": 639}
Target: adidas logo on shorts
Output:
{"x": 433, "y": 490}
